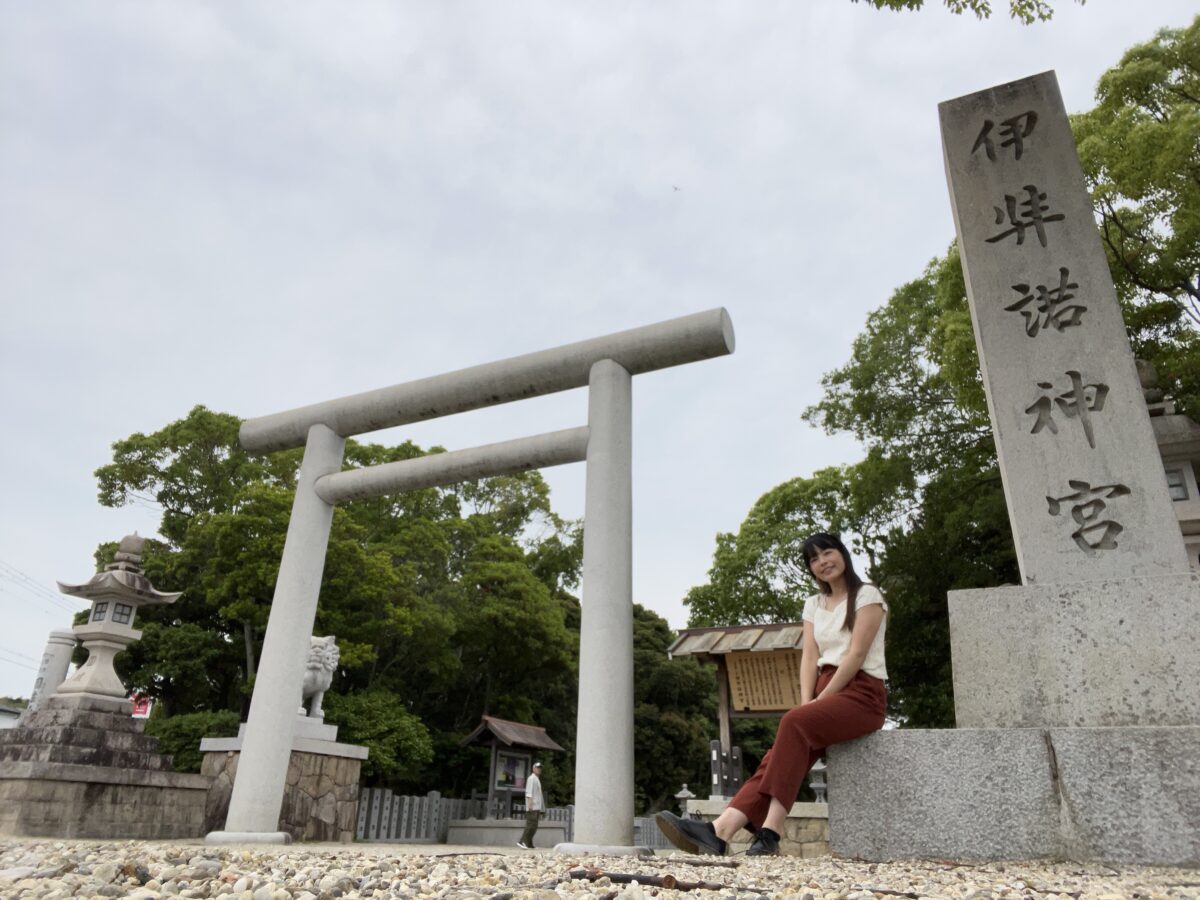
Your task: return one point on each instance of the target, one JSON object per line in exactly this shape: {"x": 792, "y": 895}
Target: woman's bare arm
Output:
{"x": 808, "y": 665}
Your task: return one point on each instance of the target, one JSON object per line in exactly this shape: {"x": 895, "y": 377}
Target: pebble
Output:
{"x": 36, "y": 869}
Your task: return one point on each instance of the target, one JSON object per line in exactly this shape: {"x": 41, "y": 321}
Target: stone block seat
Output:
{"x": 1117, "y": 795}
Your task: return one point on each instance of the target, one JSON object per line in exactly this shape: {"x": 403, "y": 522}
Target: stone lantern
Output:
{"x": 115, "y": 594}
{"x": 683, "y": 797}
{"x": 816, "y": 780}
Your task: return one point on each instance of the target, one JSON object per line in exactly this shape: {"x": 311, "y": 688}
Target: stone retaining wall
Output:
{"x": 73, "y": 771}
{"x": 41, "y": 799}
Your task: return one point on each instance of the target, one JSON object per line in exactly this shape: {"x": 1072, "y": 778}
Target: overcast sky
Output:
{"x": 257, "y": 206}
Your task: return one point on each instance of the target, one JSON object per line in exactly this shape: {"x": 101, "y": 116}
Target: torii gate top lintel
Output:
{"x": 662, "y": 345}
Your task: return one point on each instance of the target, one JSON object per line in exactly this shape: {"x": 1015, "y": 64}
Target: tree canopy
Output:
{"x": 1140, "y": 149}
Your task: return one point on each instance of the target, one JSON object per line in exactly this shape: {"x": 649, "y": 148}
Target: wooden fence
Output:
{"x": 385, "y": 816}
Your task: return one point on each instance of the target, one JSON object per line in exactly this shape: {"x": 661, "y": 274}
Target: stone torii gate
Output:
{"x": 604, "y": 785}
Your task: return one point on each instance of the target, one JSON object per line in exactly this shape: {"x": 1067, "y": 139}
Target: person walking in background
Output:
{"x": 534, "y": 804}
{"x": 842, "y": 696}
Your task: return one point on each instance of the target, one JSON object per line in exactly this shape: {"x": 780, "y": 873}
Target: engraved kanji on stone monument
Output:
{"x": 1031, "y": 212}
{"x": 1065, "y": 403}
{"x": 1048, "y": 307}
{"x": 1012, "y": 132}
{"x": 1087, "y": 505}
{"x": 1079, "y": 401}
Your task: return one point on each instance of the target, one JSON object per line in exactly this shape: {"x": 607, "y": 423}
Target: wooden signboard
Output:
{"x": 764, "y": 682}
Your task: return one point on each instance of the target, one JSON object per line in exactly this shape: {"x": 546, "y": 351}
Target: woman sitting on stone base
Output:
{"x": 842, "y": 696}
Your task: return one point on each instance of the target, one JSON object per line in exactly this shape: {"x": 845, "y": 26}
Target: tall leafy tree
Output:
{"x": 1140, "y": 149}
{"x": 446, "y": 603}
{"x": 675, "y": 714}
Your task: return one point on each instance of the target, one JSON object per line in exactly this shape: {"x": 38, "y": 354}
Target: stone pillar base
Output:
{"x": 806, "y": 833}
{"x": 1112, "y": 795}
{"x": 1110, "y": 653}
{"x": 320, "y": 799}
{"x": 247, "y": 837}
{"x": 601, "y": 850}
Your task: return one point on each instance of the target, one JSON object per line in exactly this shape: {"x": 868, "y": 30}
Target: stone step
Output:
{"x": 84, "y": 718}
{"x": 87, "y": 756}
{"x": 80, "y": 737}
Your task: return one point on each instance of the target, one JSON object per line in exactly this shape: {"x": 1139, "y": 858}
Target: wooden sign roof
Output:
{"x": 707, "y": 643}
{"x": 512, "y": 734}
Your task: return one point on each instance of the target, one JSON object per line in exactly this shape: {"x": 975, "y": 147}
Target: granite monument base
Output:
{"x": 1112, "y": 795}
{"x": 1088, "y": 654}
{"x": 74, "y": 770}
{"x": 320, "y": 800}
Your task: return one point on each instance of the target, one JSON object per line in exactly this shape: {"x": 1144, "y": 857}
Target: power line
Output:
{"x": 12, "y": 652}
{"x": 19, "y": 579}
{"x": 51, "y": 607}
{"x": 17, "y": 662}
{"x": 22, "y": 577}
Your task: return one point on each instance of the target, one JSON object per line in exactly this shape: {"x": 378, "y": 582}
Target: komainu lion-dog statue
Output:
{"x": 323, "y": 658}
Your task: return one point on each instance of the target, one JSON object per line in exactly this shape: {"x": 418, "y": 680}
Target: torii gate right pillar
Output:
{"x": 604, "y": 735}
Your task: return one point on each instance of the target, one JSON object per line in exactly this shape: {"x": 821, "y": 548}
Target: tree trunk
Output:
{"x": 248, "y": 634}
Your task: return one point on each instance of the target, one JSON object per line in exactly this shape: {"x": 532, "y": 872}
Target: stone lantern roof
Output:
{"x": 122, "y": 579}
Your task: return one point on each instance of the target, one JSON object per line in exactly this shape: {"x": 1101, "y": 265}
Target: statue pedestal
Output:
{"x": 320, "y": 799}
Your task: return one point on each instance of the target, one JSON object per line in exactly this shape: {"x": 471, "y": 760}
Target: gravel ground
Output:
{"x": 52, "y": 869}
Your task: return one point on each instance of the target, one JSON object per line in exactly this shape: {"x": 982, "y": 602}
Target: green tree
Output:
{"x": 192, "y": 466}
{"x": 447, "y": 603}
{"x": 675, "y": 715}
{"x": 179, "y": 736}
{"x": 1140, "y": 150}
{"x": 398, "y": 741}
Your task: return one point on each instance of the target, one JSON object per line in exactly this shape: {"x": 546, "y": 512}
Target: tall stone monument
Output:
{"x": 52, "y": 671}
{"x": 1077, "y": 693}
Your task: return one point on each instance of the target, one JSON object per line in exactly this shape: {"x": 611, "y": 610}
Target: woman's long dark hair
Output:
{"x": 824, "y": 541}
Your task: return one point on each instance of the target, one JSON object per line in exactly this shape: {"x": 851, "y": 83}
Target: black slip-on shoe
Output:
{"x": 690, "y": 835}
{"x": 766, "y": 843}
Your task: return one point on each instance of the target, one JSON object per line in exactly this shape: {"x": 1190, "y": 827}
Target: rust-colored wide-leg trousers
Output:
{"x": 804, "y": 733}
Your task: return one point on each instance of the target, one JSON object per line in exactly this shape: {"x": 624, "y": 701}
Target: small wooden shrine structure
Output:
{"x": 514, "y": 748}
